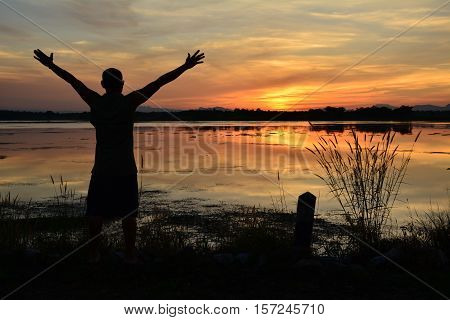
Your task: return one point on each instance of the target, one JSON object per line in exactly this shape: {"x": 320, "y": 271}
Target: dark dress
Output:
{"x": 113, "y": 189}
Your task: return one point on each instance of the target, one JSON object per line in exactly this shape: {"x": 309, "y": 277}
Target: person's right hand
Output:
{"x": 43, "y": 58}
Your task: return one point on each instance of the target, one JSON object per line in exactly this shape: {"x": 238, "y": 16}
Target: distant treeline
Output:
{"x": 326, "y": 114}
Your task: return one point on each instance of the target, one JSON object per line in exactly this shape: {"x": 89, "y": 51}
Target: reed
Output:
{"x": 66, "y": 198}
{"x": 365, "y": 178}
{"x": 430, "y": 229}
{"x": 7, "y": 200}
{"x": 52, "y": 223}
{"x": 279, "y": 203}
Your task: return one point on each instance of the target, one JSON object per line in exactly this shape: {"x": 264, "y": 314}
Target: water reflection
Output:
{"x": 234, "y": 162}
{"x": 402, "y": 128}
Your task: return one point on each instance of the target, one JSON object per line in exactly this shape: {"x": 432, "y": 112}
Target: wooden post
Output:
{"x": 305, "y": 219}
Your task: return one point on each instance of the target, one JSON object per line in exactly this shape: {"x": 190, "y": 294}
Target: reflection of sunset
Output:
{"x": 269, "y": 57}
{"x": 227, "y": 162}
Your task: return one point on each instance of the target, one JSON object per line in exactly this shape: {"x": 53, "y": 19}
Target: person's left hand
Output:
{"x": 195, "y": 59}
{"x": 43, "y": 58}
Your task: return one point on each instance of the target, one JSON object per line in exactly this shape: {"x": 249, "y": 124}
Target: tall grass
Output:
{"x": 430, "y": 230}
{"x": 57, "y": 222}
{"x": 14, "y": 232}
{"x": 279, "y": 203}
{"x": 66, "y": 199}
{"x": 365, "y": 179}
{"x": 62, "y": 191}
{"x": 8, "y": 200}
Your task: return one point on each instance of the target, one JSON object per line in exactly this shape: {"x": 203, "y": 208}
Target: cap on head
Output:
{"x": 112, "y": 79}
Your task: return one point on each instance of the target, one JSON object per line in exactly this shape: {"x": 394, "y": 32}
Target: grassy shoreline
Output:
{"x": 215, "y": 251}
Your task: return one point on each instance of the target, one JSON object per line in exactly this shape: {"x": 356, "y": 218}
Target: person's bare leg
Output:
{"x": 95, "y": 228}
{"x": 129, "y": 233}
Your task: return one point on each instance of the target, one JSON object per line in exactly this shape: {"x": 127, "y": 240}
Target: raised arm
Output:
{"x": 85, "y": 93}
{"x": 140, "y": 96}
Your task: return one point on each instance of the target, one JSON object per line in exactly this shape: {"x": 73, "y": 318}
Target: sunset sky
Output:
{"x": 267, "y": 54}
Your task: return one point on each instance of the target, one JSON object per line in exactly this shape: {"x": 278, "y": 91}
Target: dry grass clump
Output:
{"x": 279, "y": 203}
{"x": 7, "y": 200}
{"x": 365, "y": 179}
{"x": 56, "y": 223}
{"x": 430, "y": 229}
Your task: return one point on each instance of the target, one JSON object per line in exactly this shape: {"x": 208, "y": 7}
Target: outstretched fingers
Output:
{"x": 199, "y": 58}
{"x": 42, "y": 57}
{"x": 38, "y": 52}
{"x": 196, "y": 58}
{"x": 198, "y": 54}
{"x": 37, "y": 55}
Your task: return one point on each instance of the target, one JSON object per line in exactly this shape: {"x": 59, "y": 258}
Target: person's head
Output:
{"x": 112, "y": 80}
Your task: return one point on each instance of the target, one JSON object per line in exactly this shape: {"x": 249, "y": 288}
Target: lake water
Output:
{"x": 231, "y": 162}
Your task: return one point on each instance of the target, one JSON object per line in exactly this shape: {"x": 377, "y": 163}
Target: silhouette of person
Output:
{"x": 113, "y": 188}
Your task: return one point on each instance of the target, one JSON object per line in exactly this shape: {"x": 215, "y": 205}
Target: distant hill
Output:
{"x": 214, "y": 109}
{"x": 382, "y": 105}
{"x": 420, "y": 107}
{"x": 429, "y": 107}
